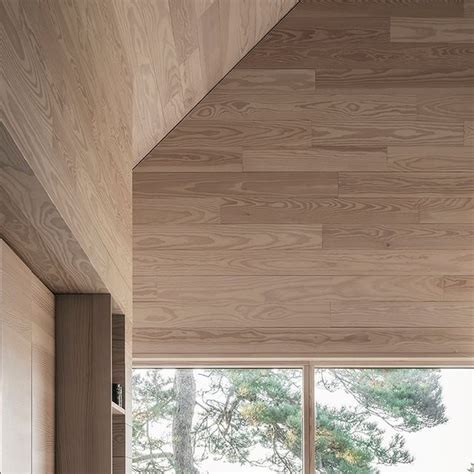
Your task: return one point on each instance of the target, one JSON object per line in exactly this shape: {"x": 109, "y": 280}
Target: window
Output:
{"x": 217, "y": 421}
{"x": 394, "y": 420}
{"x": 258, "y": 420}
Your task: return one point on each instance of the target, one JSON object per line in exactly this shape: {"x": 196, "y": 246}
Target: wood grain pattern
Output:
{"x": 202, "y": 185}
{"x": 431, "y": 30}
{"x": 87, "y": 90}
{"x": 83, "y": 383}
{"x": 284, "y": 289}
{"x": 400, "y": 236}
{"x": 428, "y": 184}
{"x": 469, "y": 133}
{"x": 34, "y": 228}
{"x": 231, "y": 315}
{"x": 346, "y": 210}
{"x": 227, "y": 237}
{"x": 27, "y": 359}
{"x": 299, "y": 263}
{"x": 416, "y": 76}
{"x": 430, "y": 158}
{"x": 291, "y": 134}
{"x": 316, "y": 107}
{"x": 392, "y": 314}
{"x": 378, "y": 8}
{"x": 173, "y": 159}
{"x": 401, "y": 342}
{"x": 392, "y": 133}
{"x": 370, "y": 101}
{"x": 446, "y": 104}
{"x": 381, "y": 55}
{"x": 262, "y": 81}
{"x": 316, "y": 159}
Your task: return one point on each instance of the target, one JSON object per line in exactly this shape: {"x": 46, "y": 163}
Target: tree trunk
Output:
{"x": 185, "y": 390}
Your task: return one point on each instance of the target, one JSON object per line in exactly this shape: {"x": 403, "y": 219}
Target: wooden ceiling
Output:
{"x": 87, "y": 89}
{"x": 319, "y": 201}
{"x": 199, "y": 41}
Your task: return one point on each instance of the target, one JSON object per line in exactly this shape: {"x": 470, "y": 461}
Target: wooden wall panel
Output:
{"x": 27, "y": 369}
{"x": 319, "y": 200}
{"x": 84, "y": 381}
{"x": 88, "y": 89}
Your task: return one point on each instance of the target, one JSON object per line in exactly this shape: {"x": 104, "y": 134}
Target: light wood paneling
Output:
{"x": 316, "y": 159}
{"x": 399, "y": 236}
{"x": 304, "y": 262}
{"x": 431, "y": 30}
{"x": 382, "y": 77}
{"x": 202, "y": 185}
{"x": 330, "y": 342}
{"x": 88, "y": 89}
{"x": 228, "y": 237}
{"x": 27, "y": 360}
{"x": 430, "y": 158}
{"x": 345, "y": 122}
{"x": 83, "y": 383}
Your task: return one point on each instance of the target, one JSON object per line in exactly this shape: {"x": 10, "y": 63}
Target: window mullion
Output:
{"x": 308, "y": 419}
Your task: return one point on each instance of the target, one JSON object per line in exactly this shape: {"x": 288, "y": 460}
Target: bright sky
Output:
{"x": 447, "y": 448}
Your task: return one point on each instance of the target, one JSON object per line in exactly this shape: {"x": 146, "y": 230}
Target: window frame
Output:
{"x": 308, "y": 367}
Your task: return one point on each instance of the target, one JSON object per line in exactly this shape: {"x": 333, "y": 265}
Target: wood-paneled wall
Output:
{"x": 319, "y": 201}
{"x": 26, "y": 369}
{"x": 87, "y": 89}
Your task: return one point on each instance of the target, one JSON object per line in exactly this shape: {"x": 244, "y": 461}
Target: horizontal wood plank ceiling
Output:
{"x": 319, "y": 201}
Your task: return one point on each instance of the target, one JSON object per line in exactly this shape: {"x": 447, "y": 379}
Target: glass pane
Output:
{"x": 394, "y": 420}
{"x": 190, "y": 421}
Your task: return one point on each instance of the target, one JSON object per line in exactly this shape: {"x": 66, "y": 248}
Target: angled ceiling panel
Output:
{"x": 200, "y": 42}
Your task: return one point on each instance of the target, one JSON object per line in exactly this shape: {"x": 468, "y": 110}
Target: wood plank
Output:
{"x": 377, "y": 8}
{"x": 392, "y": 314}
{"x": 202, "y": 185}
{"x": 378, "y": 77}
{"x": 400, "y": 236}
{"x": 469, "y": 8}
{"x": 262, "y": 81}
{"x": 35, "y": 229}
{"x": 392, "y": 133}
{"x": 430, "y": 158}
{"x": 233, "y": 315}
{"x": 17, "y": 423}
{"x": 469, "y": 134}
{"x": 174, "y": 159}
{"x": 287, "y": 289}
{"x": 83, "y": 381}
{"x": 42, "y": 377}
{"x": 227, "y": 237}
{"x": 303, "y": 106}
{"x": 43, "y": 397}
{"x": 302, "y": 262}
{"x": 445, "y": 104}
{"x": 367, "y": 55}
{"x": 431, "y": 30}
{"x": 303, "y": 342}
{"x": 336, "y": 210}
{"x": 287, "y": 134}
{"x": 381, "y": 184}
{"x": 16, "y": 363}
{"x": 447, "y": 210}
{"x": 158, "y": 210}
{"x": 313, "y": 31}
{"x": 458, "y": 288}
{"x": 316, "y": 159}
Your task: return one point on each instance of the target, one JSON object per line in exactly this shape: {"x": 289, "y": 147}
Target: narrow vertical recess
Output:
{"x": 83, "y": 384}
{"x": 308, "y": 418}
